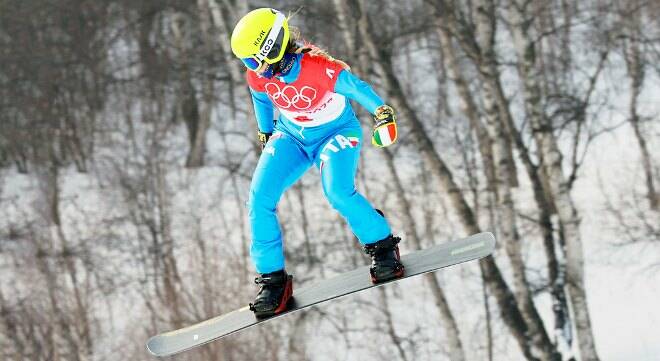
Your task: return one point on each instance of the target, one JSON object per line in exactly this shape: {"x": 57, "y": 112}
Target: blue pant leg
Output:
{"x": 281, "y": 163}
{"x": 338, "y": 161}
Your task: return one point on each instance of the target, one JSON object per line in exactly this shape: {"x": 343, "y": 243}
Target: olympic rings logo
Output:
{"x": 290, "y": 96}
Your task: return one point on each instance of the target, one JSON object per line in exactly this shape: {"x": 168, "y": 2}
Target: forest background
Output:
{"x": 128, "y": 140}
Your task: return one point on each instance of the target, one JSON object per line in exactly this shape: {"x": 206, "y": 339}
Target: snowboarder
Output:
{"x": 316, "y": 126}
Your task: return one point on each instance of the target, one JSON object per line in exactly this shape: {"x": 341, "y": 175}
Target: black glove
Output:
{"x": 263, "y": 138}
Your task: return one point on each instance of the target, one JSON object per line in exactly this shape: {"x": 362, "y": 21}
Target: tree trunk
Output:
{"x": 552, "y": 162}
{"x": 635, "y": 64}
{"x": 453, "y": 334}
{"x": 455, "y": 345}
{"x": 480, "y": 47}
{"x": 236, "y": 70}
{"x": 500, "y": 182}
{"x": 468, "y": 105}
{"x": 505, "y": 179}
{"x": 493, "y": 277}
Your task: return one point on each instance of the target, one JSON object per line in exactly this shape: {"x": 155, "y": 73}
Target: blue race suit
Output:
{"x": 316, "y": 126}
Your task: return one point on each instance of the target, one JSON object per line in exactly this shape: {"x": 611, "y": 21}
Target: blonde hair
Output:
{"x": 298, "y": 45}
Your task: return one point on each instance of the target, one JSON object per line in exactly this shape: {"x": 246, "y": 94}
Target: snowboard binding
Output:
{"x": 385, "y": 259}
{"x": 275, "y": 292}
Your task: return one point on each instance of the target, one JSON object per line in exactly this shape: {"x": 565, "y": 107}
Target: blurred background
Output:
{"x": 128, "y": 140}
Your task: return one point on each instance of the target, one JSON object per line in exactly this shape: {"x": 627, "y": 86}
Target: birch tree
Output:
{"x": 522, "y": 17}
{"x": 508, "y": 306}
{"x": 637, "y": 64}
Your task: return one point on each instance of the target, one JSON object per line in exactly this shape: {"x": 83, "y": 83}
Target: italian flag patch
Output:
{"x": 384, "y": 135}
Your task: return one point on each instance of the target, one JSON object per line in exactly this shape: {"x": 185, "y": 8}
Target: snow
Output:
{"x": 622, "y": 281}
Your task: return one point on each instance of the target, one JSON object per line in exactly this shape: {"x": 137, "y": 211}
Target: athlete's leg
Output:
{"x": 338, "y": 160}
{"x": 282, "y": 162}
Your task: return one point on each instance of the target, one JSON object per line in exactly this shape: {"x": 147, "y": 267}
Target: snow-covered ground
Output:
{"x": 623, "y": 282}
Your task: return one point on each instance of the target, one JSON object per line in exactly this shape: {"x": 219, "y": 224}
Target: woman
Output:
{"x": 316, "y": 126}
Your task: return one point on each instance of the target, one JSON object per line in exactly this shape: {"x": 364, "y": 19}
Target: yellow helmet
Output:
{"x": 260, "y": 36}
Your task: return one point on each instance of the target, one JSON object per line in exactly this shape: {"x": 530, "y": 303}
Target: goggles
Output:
{"x": 271, "y": 47}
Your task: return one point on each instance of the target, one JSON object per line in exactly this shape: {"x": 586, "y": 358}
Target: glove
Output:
{"x": 385, "y": 127}
{"x": 263, "y": 138}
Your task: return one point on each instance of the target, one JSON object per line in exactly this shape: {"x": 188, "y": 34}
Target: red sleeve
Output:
{"x": 254, "y": 82}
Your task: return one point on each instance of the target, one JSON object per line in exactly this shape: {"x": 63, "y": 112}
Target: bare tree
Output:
{"x": 636, "y": 64}
{"x": 522, "y": 17}
{"x": 380, "y": 55}
{"x": 59, "y": 66}
{"x": 113, "y": 107}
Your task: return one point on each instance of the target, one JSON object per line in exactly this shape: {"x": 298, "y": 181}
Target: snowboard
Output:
{"x": 416, "y": 263}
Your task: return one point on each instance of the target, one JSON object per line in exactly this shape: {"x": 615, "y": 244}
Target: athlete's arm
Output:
{"x": 352, "y": 87}
{"x": 263, "y": 111}
{"x": 356, "y": 89}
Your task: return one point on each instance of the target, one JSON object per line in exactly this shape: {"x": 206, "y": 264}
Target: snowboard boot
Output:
{"x": 385, "y": 259}
{"x": 276, "y": 290}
